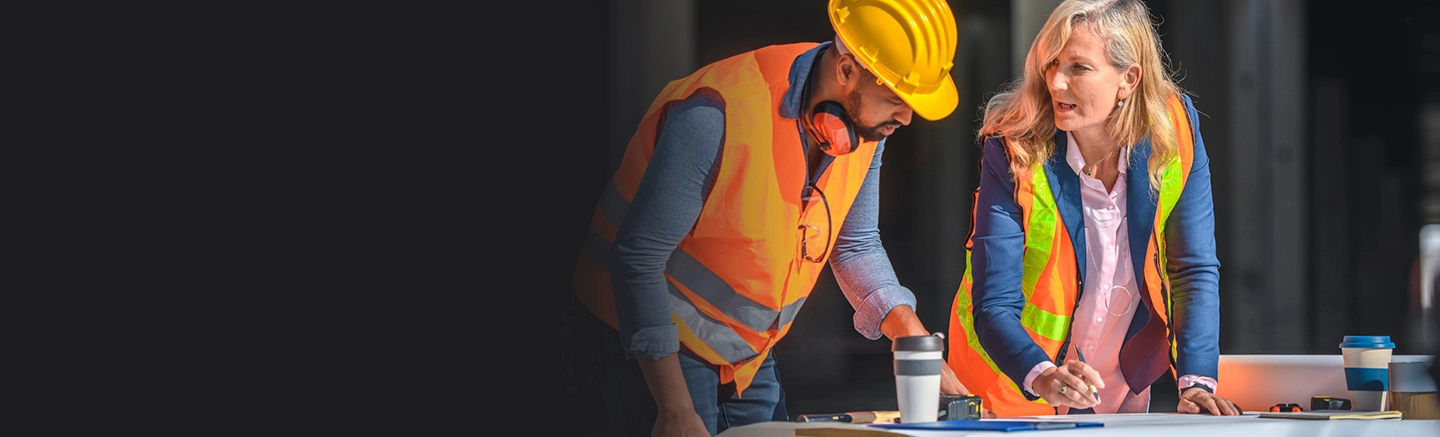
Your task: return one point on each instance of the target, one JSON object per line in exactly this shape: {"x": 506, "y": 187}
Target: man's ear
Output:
{"x": 1129, "y": 80}
{"x": 847, "y": 69}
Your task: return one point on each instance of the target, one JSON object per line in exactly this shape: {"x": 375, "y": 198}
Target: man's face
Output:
{"x": 875, "y": 110}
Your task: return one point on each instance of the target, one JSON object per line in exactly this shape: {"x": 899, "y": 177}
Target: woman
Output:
{"x": 1091, "y": 267}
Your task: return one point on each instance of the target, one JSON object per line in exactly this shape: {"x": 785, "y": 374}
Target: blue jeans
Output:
{"x": 631, "y": 408}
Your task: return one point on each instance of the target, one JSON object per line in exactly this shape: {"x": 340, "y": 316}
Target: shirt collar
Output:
{"x": 799, "y": 73}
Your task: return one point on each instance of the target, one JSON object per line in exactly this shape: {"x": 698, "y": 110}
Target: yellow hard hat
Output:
{"x": 908, "y": 44}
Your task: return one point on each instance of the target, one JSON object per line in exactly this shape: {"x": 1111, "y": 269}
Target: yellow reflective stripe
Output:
{"x": 1047, "y": 324}
{"x": 1172, "y": 182}
{"x": 1039, "y": 242}
{"x": 1040, "y": 234}
{"x": 1170, "y": 187}
{"x": 967, "y": 321}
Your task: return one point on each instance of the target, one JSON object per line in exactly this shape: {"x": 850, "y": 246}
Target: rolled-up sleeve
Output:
{"x": 665, "y": 207}
{"x": 861, "y": 266}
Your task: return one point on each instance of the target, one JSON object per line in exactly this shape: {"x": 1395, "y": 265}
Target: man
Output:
{"x": 741, "y": 182}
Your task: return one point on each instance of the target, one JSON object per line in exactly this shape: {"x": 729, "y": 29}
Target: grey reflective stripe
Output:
{"x": 788, "y": 312}
{"x": 918, "y": 367}
{"x": 720, "y": 338}
{"x": 715, "y": 290}
{"x": 700, "y": 280}
{"x": 612, "y": 205}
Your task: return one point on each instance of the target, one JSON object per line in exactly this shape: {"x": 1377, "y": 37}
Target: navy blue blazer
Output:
{"x": 998, "y": 243}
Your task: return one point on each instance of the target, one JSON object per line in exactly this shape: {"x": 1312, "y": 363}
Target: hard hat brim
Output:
{"x": 936, "y": 105}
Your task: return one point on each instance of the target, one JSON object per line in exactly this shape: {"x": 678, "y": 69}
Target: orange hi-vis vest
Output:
{"x": 1051, "y": 280}
{"x": 737, "y": 279}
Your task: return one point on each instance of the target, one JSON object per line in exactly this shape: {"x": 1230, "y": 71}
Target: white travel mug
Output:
{"x": 918, "y": 363}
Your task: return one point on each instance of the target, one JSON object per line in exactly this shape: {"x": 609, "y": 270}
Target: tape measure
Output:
{"x": 1286, "y": 408}
{"x": 1328, "y": 403}
{"x": 960, "y": 407}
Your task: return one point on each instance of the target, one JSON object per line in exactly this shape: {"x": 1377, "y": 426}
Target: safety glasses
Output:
{"x": 811, "y": 247}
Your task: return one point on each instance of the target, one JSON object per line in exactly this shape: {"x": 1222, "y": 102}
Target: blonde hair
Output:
{"x": 1023, "y": 112}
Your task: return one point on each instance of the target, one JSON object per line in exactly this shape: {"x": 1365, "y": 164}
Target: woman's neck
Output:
{"x": 1094, "y": 145}
{"x": 1098, "y": 151}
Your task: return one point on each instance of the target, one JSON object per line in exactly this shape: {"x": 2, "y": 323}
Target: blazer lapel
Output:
{"x": 1065, "y": 186}
{"x": 1140, "y": 207}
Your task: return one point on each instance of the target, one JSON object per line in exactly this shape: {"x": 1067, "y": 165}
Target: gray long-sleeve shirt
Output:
{"x": 667, "y": 204}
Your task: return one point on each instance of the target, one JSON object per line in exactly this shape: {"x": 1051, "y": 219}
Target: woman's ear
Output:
{"x": 1129, "y": 80}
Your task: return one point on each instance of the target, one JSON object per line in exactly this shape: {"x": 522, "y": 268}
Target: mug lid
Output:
{"x": 919, "y": 343}
{"x": 1368, "y": 341}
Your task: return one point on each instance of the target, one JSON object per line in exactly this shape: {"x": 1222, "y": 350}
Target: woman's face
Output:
{"x": 1083, "y": 86}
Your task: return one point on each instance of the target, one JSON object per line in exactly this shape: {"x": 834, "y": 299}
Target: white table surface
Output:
{"x": 1147, "y": 424}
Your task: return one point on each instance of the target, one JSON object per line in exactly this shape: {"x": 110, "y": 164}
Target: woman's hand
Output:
{"x": 1194, "y": 400}
{"x": 1069, "y": 384}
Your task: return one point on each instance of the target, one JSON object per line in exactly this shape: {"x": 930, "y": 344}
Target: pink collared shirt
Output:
{"x": 1111, "y": 295}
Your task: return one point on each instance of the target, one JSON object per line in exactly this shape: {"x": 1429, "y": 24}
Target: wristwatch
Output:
{"x": 1199, "y": 386}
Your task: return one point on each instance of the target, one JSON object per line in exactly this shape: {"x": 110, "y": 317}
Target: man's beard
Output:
{"x": 851, "y": 103}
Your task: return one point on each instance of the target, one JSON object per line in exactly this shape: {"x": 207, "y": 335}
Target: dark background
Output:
{"x": 1315, "y": 118}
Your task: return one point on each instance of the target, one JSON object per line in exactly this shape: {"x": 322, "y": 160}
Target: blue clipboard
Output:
{"x": 991, "y": 425}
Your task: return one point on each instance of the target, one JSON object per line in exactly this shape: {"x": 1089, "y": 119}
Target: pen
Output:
{"x": 852, "y": 417}
{"x": 1040, "y": 426}
{"x": 1092, "y": 386}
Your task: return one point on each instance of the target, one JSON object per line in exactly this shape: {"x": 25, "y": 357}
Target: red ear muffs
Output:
{"x": 831, "y": 127}
{"x": 827, "y": 123}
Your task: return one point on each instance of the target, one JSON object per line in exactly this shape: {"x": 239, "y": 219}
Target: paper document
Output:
{"x": 991, "y": 425}
{"x": 1334, "y": 415}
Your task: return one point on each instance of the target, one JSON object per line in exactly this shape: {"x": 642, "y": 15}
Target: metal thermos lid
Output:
{"x": 1411, "y": 377}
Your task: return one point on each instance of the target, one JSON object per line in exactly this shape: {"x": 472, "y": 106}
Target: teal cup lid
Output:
{"x": 1367, "y": 341}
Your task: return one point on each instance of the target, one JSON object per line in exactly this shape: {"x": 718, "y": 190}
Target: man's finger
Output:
{"x": 952, "y": 386}
{"x": 949, "y": 384}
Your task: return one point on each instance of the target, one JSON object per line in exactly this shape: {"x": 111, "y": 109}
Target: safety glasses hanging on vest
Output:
{"x": 826, "y": 122}
{"x": 809, "y": 232}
